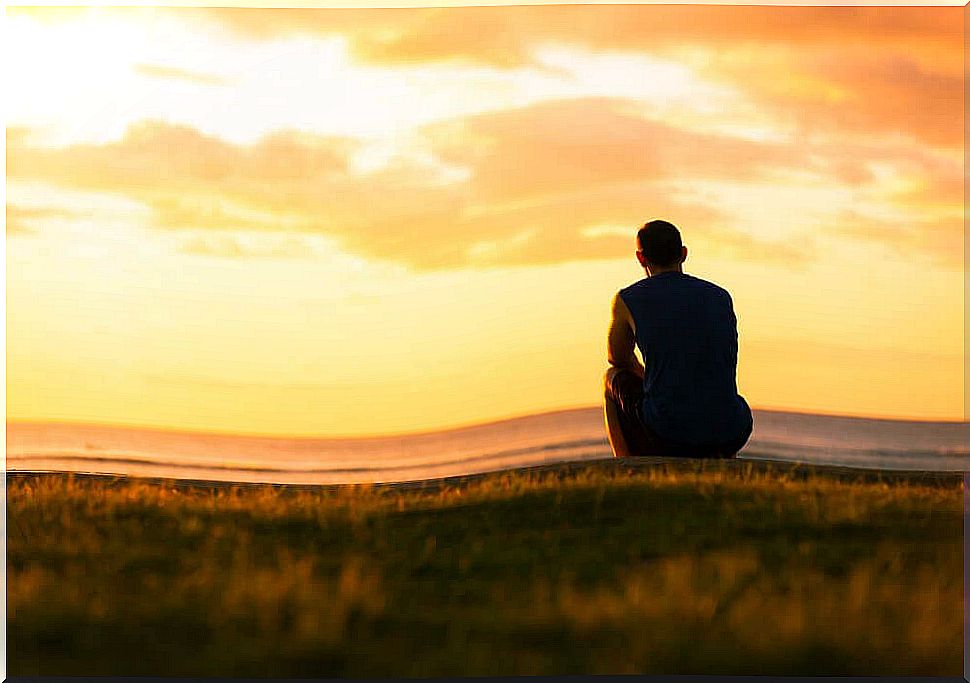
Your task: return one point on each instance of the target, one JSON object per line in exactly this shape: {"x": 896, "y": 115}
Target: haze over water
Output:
{"x": 538, "y": 439}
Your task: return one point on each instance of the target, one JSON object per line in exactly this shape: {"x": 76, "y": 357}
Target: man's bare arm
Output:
{"x": 621, "y": 339}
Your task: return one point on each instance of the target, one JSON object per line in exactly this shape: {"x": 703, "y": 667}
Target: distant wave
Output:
{"x": 943, "y": 451}
{"x": 557, "y": 436}
{"x": 196, "y": 465}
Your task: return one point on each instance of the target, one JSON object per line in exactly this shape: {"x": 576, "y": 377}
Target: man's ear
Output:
{"x": 683, "y": 254}
{"x": 641, "y": 259}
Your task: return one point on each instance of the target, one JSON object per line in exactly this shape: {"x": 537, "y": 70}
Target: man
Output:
{"x": 685, "y": 402}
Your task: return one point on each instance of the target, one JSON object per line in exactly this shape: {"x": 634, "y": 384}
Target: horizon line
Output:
{"x": 429, "y": 432}
{"x": 410, "y": 4}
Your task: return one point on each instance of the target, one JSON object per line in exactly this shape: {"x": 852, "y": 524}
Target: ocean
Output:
{"x": 567, "y": 435}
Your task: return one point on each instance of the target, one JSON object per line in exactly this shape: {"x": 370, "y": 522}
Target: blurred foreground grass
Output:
{"x": 722, "y": 567}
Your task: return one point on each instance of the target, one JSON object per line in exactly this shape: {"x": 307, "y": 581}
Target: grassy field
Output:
{"x": 722, "y": 567}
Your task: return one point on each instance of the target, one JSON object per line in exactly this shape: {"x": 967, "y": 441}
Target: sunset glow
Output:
{"x": 342, "y": 222}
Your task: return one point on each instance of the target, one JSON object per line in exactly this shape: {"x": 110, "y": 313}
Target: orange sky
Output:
{"x": 368, "y": 221}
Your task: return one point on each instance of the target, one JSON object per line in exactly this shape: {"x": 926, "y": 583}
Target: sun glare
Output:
{"x": 279, "y": 219}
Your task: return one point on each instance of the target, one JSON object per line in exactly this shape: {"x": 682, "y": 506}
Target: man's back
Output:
{"x": 686, "y": 331}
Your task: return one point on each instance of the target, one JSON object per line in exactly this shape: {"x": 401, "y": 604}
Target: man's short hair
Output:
{"x": 660, "y": 243}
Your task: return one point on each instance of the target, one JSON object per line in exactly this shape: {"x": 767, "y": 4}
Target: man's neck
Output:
{"x": 653, "y": 272}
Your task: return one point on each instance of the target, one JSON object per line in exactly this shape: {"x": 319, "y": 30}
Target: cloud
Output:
{"x": 497, "y": 34}
{"x": 537, "y": 178}
{"x": 18, "y": 136}
{"x": 569, "y": 145}
{"x": 183, "y": 173}
{"x": 851, "y": 70}
{"x": 846, "y": 71}
{"x": 853, "y": 95}
{"x": 174, "y": 73}
{"x": 939, "y": 238}
{"x": 19, "y": 219}
{"x": 837, "y": 73}
{"x": 940, "y": 192}
{"x": 545, "y": 173}
{"x": 796, "y": 252}
{"x": 222, "y": 245}
{"x": 16, "y": 223}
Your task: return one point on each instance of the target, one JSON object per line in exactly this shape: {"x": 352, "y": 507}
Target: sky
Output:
{"x": 374, "y": 221}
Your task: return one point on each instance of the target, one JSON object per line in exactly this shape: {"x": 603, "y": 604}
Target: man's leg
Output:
{"x": 723, "y": 451}
{"x": 615, "y": 401}
{"x": 731, "y": 450}
{"x": 613, "y": 430}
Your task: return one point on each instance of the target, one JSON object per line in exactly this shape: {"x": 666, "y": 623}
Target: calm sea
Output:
{"x": 560, "y": 436}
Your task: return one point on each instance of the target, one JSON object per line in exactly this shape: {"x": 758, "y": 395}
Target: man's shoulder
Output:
{"x": 650, "y": 287}
{"x": 633, "y": 287}
{"x": 635, "y": 294}
{"x": 713, "y": 288}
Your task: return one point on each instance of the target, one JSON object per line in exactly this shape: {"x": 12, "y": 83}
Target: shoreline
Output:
{"x": 737, "y": 466}
{"x": 562, "y": 436}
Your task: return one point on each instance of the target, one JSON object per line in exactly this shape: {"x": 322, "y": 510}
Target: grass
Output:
{"x": 719, "y": 567}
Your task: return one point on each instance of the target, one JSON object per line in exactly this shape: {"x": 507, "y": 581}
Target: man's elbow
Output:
{"x": 626, "y": 362}
{"x": 622, "y": 363}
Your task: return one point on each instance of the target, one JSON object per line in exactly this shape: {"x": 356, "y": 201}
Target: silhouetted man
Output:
{"x": 685, "y": 402}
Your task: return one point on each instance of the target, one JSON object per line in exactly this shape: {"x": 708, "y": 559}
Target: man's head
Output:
{"x": 659, "y": 247}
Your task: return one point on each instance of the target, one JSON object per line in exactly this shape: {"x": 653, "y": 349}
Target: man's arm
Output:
{"x": 621, "y": 340}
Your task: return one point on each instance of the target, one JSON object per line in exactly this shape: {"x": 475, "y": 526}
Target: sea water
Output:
{"x": 567, "y": 435}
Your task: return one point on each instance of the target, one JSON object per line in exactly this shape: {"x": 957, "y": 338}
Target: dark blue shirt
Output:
{"x": 687, "y": 333}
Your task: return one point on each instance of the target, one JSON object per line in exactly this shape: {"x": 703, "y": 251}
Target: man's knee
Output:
{"x": 608, "y": 381}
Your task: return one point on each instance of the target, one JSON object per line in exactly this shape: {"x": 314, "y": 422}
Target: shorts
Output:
{"x": 625, "y": 388}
